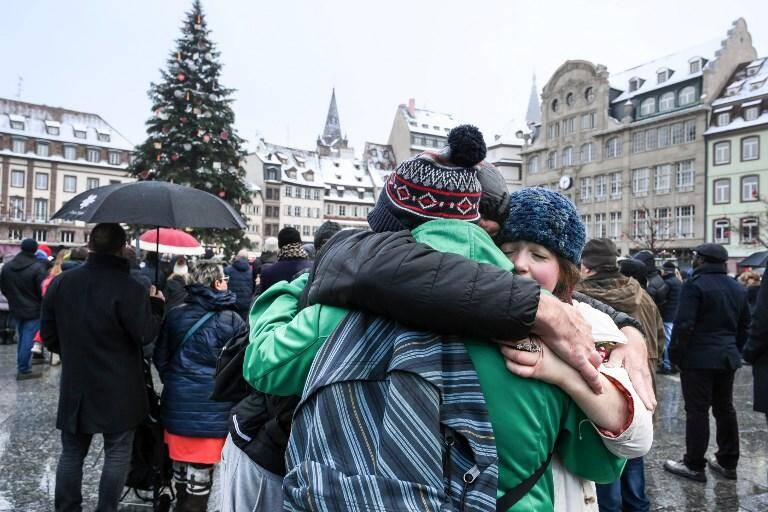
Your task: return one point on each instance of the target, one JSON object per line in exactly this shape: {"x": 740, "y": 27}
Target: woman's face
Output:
{"x": 534, "y": 261}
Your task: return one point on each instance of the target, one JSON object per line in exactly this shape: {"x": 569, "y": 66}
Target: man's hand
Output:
{"x": 633, "y": 356}
{"x": 561, "y": 327}
{"x": 157, "y": 294}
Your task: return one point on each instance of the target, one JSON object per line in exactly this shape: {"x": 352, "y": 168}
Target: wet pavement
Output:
{"x": 29, "y": 449}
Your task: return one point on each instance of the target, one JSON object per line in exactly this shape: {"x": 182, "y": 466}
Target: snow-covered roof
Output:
{"x": 429, "y": 122}
{"x": 37, "y": 118}
{"x": 507, "y": 134}
{"x": 380, "y": 161}
{"x": 679, "y": 64}
{"x": 298, "y": 166}
{"x": 349, "y": 176}
{"x": 749, "y": 81}
{"x": 738, "y": 124}
{"x": 252, "y": 187}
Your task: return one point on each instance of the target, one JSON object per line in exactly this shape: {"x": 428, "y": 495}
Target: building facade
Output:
{"x": 628, "y": 148}
{"x": 415, "y": 130}
{"x": 48, "y": 155}
{"x": 737, "y": 163}
{"x": 253, "y": 214}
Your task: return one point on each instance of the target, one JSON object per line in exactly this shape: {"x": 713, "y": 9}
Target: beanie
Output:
{"x": 270, "y": 244}
{"x": 324, "y": 233}
{"x": 599, "y": 253}
{"x": 647, "y": 258}
{"x": 433, "y": 185}
{"x": 29, "y": 245}
{"x": 546, "y": 218}
{"x": 494, "y": 201}
{"x": 288, "y": 235}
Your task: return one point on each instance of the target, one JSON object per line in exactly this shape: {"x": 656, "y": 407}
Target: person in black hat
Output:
{"x": 710, "y": 330}
{"x": 291, "y": 259}
{"x": 668, "y": 311}
{"x": 20, "y": 281}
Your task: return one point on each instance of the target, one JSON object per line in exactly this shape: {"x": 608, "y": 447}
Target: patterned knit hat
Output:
{"x": 433, "y": 185}
{"x": 546, "y": 218}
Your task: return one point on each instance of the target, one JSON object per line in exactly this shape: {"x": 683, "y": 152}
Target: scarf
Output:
{"x": 293, "y": 251}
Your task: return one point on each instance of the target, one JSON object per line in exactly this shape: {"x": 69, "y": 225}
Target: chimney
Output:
{"x": 412, "y": 106}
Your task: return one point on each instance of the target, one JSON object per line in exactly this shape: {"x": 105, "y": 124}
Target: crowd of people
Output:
{"x": 472, "y": 350}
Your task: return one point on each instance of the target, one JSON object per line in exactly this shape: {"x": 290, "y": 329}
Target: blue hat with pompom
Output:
{"x": 547, "y": 218}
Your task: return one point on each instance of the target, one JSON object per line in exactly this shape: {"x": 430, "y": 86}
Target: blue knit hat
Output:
{"x": 546, "y": 218}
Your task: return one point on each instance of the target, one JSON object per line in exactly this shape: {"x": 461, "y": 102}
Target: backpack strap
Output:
{"x": 515, "y": 494}
{"x": 193, "y": 329}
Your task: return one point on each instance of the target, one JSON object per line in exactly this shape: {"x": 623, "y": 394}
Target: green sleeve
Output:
{"x": 284, "y": 341}
{"x": 582, "y": 450}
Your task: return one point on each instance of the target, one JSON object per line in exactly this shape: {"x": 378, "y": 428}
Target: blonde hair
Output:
{"x": 61, "y": 257}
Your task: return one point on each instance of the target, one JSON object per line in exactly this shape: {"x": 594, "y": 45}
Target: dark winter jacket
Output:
{"x": 266, "y": 259}
{"x": 392, "y": 275}
{"x": 241, "y": 282}
{"x": 99, "y": 318}
{"x": 712, "y": 321}
{"x": 756, "y": 349}
{"x": 70, "y": 264}
{"x": 175, "y": 290}
{"x": 752, "y": 293}
{"x": 282, "y": 270}
{"x": 657, "y": 288}
{"x": 20, "y": 282}
{"x": 669, "y": 308}
{"x": 187, "y": 371}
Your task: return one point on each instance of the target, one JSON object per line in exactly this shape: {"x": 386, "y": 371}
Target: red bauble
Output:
{"x": 175, "y": 156}
{"x": 206, "y": 138}
{"x": 222, "y": 194}
{"x": 224, "y": 135}
{"x": 181, "y": 77}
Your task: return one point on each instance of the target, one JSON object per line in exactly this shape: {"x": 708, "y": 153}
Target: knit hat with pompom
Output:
{"x": 546, "y": 218}
{"x": 433, "y": 185}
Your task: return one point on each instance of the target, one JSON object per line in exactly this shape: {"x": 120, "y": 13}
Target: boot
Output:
{"x": 180, "y": 484}
{"x": 199, "y": 483}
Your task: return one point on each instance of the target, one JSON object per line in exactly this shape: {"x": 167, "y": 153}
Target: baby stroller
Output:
{"x": 150, "y": 465}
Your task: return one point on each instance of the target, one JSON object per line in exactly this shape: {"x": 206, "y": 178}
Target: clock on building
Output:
{"x": 565, "y": 182}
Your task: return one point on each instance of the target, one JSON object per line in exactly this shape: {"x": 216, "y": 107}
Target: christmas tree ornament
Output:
{"x": 157, "y": 145}
{"x": 222, "y": 194}
{"x": 181, "y": 77}
{"x": 200, "y": 132}
{"x": 206, "y": 138}
{"x": 224, "y": 135}
{"x": 174, "y": 156}
{"x": 158, "y": 157}
{"x": 178, "y": 93}
{"x": 178, "y": 56}
{"x": 188, "y": 108}
{"x": 189, "y": 95}
{"x": 187, "y": 146}
{"x": 183, "y": 119}
{"x": 196, "y": 111}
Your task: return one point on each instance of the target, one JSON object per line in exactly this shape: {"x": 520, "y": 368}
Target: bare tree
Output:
{"x": 649, "y": 231}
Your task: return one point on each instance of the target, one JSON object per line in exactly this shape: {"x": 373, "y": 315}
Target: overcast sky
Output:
{"x": 473, "y": 59}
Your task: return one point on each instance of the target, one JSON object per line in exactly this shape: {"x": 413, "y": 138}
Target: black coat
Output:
{"x": 712, "y": 321}
{"x": 20, "y": 282}
{"x": 98, "y": 318}
{"x": 392, "y": 275}
{"x": 241, "y": 283}
{"x": 657, "y": 288}
{"x": 284, "y": 270}
{"x": 756, "y": 349}
{"x": 668, "y": 310}
{"x": 187, "y": 370}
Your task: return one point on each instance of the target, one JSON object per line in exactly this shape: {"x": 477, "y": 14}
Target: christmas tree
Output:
{"x": 191, "y": 140}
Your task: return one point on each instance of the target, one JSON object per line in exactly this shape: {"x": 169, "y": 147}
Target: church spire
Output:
{"x": 533, "y": 115}
{"x": 332, "y": 131}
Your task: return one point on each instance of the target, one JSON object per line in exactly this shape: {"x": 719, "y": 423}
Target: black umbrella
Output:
{"x": 758, "y": 259}
{"x": 151, "y": 203}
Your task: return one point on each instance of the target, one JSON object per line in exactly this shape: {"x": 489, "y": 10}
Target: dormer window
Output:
{"x": 17, "y": 122}
{"x": 753, "y": 68}
{"x": 299, "y": 160}
{"x": 734, "y": 88}
{"x": 309, "y": 176}
{"x": 52, "y": 128}
{"x": 694, "y": 65}
{"x": 663, "y": 75}
{"x": 79, "y": 132}
{"x": 281, "y": 156}
{"x": 104, "y": 137}
{"x": 635, "y": 84}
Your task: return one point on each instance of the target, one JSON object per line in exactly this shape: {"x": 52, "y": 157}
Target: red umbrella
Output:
{"x": 171, "y": 241}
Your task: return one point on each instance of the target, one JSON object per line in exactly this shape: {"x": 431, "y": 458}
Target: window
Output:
{"x": 14, "y": 234}
{"x": 751, "y": 113}
{"x": 41, "y": 210}
{"x": 662, "y": 76}
{"x": 555, "y": 105}
{"x": 616, "y": 185}
{"x": 16, "y": 208}
{"x": 91, "y": 183}
{"x": 273, "y": 194}
{"x": 750, "y": 148}
{"x": 587, "y": 152}
{"x": 722, "y": 191}
{"x": 685, "y": 175}
{"x": 569, "y": 125}
{"x": 52, "y": 128}
{"x": 288, "y": 210}
{"x": 67, "y": 237}
{"x": 307, "y": 193}
{"x": 19, "y": 146}
{"x": 686, "y": 96}
{"x": 640, "y": 182}
{"x": 17, "y": 123}
{"x": 667, "y": 102}
{"x": 306, "y": 231}
{"x": 648, "y": 107}
{"x": 42, "y": 149}
{"x": 70, "y": 183}
{"x": 533, "y": 164}
{"x": 663, "y": 219}
{"x": 651, "y": 139}
{"x": 634, "y": 84}
{"x": 569, "y": 99}
{"x": 115, "y": 182}
{"x": 614, "y": 225}
{"x": 663, "y": 136}
{"x": 288, "y": 191}
{"x": 613, "y": 147}
{"x": 40, "y": 235}
{"x": 689, "y": 130}
{"x": 316, "y": 194}
{"x": 17, "y": 179}
{"x": 342, "y": 210}
{"x": 684, "y": 217}
{"x": 70, "y": 153}
{"x": 552, "y": 160}
{"x": 601, "y": 230}
{"x": 41, "y": 181}
{"x": 553, "y": 130}
{"x": 750, "y": 189}
{"x": 589, "y": 94}
{"x": 723, "y": 118}
{"x": 114, "y": 158}
{"x": 749, "y": 230}
{"x": 79, "y": 133}
{"x": 104, "y": 137}
{"x": 601, "y": 187}
{"x": 568, "y": 156}
{"x": 588, "y": 121}
{"x": 297, "y": 211}
{"x": 272, "y": 174}
{"x": 722, "y": 231}
{"x": 662, "y": 179}
{"x": 638, "y": 141}
{"x": 694, "y": 66}
{"x": 677, "y": 133}
{"x": 93, "y": 155}
{"x": 586, "y": 189}
{"x": 722, "y": 153}
{"x": 639, "y": 223}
